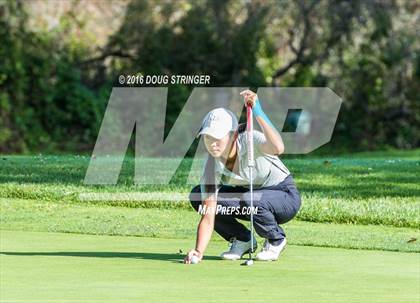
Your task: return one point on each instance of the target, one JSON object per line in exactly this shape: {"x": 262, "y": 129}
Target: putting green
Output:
{"x": 56, "y": 267}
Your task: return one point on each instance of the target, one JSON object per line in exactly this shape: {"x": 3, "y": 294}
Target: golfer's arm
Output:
{"x": 274, "y": 144}
{"x": 206, "y": 225}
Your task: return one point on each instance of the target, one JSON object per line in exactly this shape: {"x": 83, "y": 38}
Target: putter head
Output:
{"x": 248, "y": 262}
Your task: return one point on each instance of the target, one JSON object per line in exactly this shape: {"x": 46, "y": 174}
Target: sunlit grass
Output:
{"x": 362, "y": 188}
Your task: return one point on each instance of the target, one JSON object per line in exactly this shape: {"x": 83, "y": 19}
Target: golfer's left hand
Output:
{"x": 250, "y": 97}
{"x": 191, "y": 253}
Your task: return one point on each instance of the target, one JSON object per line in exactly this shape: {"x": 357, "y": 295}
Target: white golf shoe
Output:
{"x": 270, "y": 252}
{"x": 238, "y": 249}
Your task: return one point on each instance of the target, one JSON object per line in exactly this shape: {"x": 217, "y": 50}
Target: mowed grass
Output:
{"x": 55, "y": 247}
{"x": 57, "y": 267}
{"x": 369, "y": 188}
{"x": 34, "y": 215}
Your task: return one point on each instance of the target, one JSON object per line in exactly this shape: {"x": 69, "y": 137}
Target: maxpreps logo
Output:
{"x": 227, "y": 210}
{"x": 141, "y": 111}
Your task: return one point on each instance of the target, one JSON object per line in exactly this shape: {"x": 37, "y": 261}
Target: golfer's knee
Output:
{"x": 195, "y": 197}
{"x": 256, "y": 199}
{"x": 259, "y": 208}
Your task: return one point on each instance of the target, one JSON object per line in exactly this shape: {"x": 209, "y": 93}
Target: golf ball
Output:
{"x": 194, "y": 260}
{"x": 249, "y": 262}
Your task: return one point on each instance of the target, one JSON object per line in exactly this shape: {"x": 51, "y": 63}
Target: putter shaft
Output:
{"x": 250, "y": 138}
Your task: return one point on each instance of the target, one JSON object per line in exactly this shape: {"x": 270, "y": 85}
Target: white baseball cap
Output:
{"x": 218, "y": 123}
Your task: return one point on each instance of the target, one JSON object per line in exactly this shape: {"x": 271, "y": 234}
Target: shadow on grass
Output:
{"x": 175, "y": 258}
{"x": 344, "y": 178}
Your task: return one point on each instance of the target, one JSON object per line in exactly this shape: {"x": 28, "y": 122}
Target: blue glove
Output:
{"x": 258, "y": 112}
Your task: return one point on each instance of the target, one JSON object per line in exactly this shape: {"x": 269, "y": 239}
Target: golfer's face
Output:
{"x": 216, "y": 147}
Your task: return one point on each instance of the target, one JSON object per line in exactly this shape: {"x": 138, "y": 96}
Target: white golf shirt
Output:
{"x": 268, "y": 169}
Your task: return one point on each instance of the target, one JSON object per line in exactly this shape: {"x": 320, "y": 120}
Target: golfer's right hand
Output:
{"x": 250, "y": 97}
{"x": 191, "y": 253}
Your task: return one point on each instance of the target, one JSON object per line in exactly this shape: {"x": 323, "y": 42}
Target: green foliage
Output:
{"x": 204, "y": 40}
{"x": 45, "y": 101}
{"x": 54, "y": 86}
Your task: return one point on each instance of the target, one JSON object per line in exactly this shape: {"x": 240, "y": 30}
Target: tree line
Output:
{"x": 54, "y": 88}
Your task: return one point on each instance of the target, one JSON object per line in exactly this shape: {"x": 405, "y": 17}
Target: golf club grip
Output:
{"x": 250, "y": 135}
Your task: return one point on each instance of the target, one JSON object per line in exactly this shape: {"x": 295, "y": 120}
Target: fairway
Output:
{"x": 346, "y": 245}
{"x": 121, "y": 182}
{"x": 58, "y": 267}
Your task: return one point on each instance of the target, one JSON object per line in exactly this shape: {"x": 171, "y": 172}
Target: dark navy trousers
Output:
{"x": 276, "y": 204}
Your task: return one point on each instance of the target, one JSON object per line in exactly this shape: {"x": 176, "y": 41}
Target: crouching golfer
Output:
{"x": 224, "y": 186}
